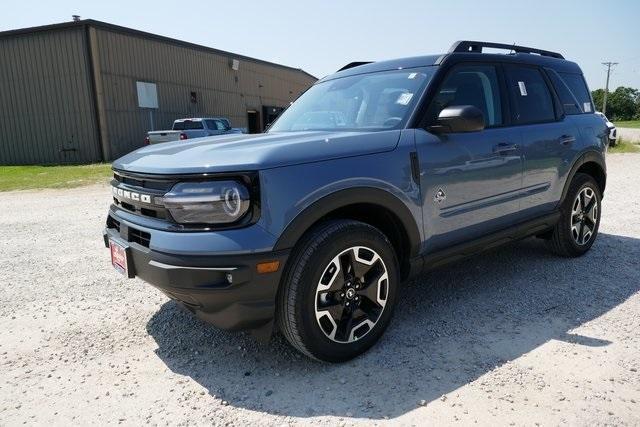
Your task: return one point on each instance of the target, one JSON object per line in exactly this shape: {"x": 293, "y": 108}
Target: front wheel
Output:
{"x": 577, "y": 228}
{"x": 339, "y": 290}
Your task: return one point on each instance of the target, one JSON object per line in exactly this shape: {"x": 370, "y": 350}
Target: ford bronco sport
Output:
{"x": 376, "y": 173}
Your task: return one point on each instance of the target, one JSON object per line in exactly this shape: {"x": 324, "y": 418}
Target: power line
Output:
{"x": 606, "y": 89}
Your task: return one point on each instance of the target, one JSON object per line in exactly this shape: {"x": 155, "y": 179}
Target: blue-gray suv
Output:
{"x": 375, "y": 174}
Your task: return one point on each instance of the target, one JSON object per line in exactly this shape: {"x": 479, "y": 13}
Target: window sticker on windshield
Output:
{"x": 412, "y": 75}
{"x": 587, "y": 107}
{"x": 523, "y": 88}
{"x": 404, "y": 99}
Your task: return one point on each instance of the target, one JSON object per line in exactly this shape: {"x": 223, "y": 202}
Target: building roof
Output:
{"x": 143, "y": 34}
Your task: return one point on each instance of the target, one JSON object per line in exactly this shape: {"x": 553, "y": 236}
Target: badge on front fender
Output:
{"x": 440, "y": 196}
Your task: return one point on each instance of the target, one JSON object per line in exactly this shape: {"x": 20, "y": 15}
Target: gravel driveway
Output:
{"x": 513, "y": 336}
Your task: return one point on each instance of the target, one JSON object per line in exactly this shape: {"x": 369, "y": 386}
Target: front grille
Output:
{"x": 155, "y": 211}
{"x": 132, "y": 180}
{"x": 153, "y": 188}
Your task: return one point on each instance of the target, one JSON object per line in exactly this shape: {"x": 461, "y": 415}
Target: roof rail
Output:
{"x": 354, "y": 64}
{"x": 476, "y": 47}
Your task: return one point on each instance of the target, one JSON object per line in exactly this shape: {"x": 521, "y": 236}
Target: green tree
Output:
{"x": 622, "y": 104}
{"x": 598, "y": 98}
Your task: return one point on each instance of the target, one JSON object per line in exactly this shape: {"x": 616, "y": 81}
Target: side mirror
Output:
{"x": 459, "y": 118}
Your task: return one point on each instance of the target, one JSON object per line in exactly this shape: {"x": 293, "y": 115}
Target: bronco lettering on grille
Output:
{"x": 131, "y": 195}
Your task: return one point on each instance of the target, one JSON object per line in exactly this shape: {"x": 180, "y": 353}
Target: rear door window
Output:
{"x": 475, "y": 85}
{"x": 188, "y": 125}
{"x": 532, "y": 101}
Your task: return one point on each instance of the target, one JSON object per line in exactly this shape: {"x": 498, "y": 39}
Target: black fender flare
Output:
{"x": 343, "y": 198}
{"x": 590, "y": 156}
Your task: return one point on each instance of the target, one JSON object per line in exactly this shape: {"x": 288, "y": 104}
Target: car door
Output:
{"x": 221, "y": 126}
{"x": 470, "y": 181}
{"x": 547, "y": 137}
{"x": 212, "y": 127}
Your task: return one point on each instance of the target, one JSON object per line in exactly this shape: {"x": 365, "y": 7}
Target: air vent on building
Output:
{"x": 235, "y": 64}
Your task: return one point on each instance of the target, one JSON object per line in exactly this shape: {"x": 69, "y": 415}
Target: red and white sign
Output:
{"x": 119, "y": 257}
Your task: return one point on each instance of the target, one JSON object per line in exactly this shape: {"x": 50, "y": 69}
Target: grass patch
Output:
{"x": 629, "y": 124}
{"x": 36, "y": 177}
{"x": 623, "y": 146}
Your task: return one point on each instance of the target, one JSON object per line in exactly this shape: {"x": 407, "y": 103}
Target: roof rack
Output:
{"x": 476, "y": 47}
{"x": 354, "y": 64}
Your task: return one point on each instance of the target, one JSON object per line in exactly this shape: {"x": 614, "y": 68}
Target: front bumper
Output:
{"x": 224, "y": 290}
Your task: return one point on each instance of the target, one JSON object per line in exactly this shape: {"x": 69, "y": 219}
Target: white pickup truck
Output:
{"x": 192, "y": 128}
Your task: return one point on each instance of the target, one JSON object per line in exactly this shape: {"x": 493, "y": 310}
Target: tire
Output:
{"x": 576, "y": 230}
{"x": 319, "y": 285}
{"x": 612, "y": 142}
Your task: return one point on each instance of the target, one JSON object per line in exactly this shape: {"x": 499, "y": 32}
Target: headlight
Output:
{"x": 211, "y": 202}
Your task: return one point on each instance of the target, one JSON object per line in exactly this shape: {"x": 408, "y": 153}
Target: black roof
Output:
{"x": 143, "y": 34}
{"x": 466, "y": 51}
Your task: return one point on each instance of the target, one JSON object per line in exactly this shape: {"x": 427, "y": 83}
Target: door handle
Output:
{"x": 567, "y": 139}
{"x": 504, "y": 147}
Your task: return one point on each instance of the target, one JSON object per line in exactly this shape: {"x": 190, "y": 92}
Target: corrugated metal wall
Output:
{"x": 47, "y": 113}
{"x": 178, "y": 71}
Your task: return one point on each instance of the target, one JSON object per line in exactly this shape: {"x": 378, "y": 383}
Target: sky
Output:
{"x": 322, "y": 36}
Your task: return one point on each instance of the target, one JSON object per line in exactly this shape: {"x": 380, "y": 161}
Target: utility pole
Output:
{"x": 606, "y": 89}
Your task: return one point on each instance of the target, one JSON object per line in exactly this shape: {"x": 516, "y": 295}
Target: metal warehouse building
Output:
{"x": 71, "y": 92}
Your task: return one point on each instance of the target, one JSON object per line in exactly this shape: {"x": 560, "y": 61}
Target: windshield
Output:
{"x": 187, "y": 125}
{"x": 365, "y": 102}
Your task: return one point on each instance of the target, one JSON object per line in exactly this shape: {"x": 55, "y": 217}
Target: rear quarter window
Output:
{"x": 569, "y": 101}
{"x": 578, "y": 87}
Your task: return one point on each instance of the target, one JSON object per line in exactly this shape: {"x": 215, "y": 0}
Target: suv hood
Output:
{"x": 237, "y": 153}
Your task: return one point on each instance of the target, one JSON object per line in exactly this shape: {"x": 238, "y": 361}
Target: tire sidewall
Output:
{"x": 314, "y": 338}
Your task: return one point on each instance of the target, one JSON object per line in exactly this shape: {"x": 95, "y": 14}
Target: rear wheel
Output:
{"x": 339, "y": 290}
{"x": 577, "y": 228}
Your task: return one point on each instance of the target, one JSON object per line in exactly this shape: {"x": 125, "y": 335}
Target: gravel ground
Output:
{"x": 514, "y": 336}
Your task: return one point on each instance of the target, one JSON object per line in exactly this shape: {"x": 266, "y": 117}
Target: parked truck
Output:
{"x": 192, "y": 128}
